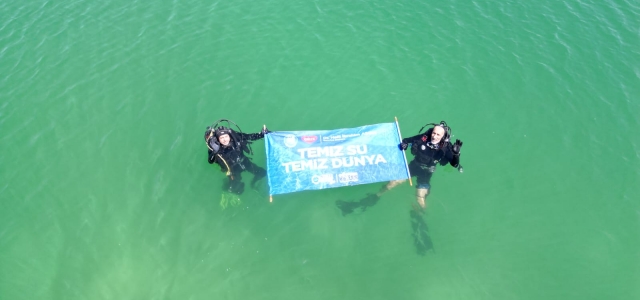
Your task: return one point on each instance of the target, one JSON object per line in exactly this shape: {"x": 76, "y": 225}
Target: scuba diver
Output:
{"x": 227, "y": 148}
{"x": 429, "y": 149}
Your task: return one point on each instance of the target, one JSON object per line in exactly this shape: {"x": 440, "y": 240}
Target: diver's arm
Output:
{"x": 406, "y": 142}
{"x": 455, "y": 151}
{"x": 214, "y": 147}
{"x": 212, "y": 157}
{"x": 255, "y": 136}
{"x": 412, "y": 139}
{"x": 251, "y": 136}
{"x": 455, "y": 160}
{"x": 451, "y": 156}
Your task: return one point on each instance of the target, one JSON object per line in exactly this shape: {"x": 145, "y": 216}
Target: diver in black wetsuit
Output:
{"x": 429, "y": 149}
{"x": 227, "y": 148}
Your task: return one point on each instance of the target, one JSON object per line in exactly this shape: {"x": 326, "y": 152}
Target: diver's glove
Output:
{"x": 456, "y": 147}
{"x": 264, "y": 131}
{"x": 403, "y": 146}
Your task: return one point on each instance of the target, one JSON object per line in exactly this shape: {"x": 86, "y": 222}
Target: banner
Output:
{"x": 320, "y": 159}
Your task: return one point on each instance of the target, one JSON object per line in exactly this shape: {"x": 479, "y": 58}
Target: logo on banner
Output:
{"x": 340, "y": 137}
{"x": 290, "y": 140}
{"x": 347, "y": 177}
{"x": 323, "y": 178}
{"x": 309, "y": 139}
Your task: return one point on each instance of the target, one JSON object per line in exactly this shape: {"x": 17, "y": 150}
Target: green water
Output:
{"x": 105, "y": 191}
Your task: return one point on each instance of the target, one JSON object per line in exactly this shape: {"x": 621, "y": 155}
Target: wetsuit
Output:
{"x": 232, "y": 160}
{"x": 427, "y": 156}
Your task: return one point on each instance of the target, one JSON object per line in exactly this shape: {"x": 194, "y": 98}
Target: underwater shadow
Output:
{"x": 420, "y": 232}
{"x": 349, "y": 207}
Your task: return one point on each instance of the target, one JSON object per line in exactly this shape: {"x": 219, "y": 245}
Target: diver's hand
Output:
{"x": 208, "y": 133}
{"x": 265, "y": 130}
{"x": 456, "y": 147}
{"x": 403, "y": 146}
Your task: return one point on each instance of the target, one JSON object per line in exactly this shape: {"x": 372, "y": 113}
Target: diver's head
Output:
{"x": 437, "y": 134}
{"x": 223, "y": 135}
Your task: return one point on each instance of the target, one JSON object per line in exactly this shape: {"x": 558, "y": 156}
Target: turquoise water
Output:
{"x": 106, "y": 193}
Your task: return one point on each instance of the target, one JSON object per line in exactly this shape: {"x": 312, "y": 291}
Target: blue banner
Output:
{"x": 320, "y": 159}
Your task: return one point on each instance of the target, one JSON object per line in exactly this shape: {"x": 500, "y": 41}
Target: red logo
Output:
{"x": 309, "y": 139}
